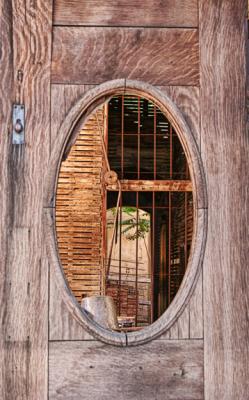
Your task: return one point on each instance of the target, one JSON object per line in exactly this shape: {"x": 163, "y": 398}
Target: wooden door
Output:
{"x": 52, "y": 53}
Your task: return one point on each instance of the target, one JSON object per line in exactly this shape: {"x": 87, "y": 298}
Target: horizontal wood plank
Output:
{"x": 169, "y": 13}
{"x": 95, "y": 55}
{"x": 159, "y": 370}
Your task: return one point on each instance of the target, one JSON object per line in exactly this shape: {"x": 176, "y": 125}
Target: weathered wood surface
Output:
{"x": 169, "y": 13}
{"x": 63, "y": 98}
{"x": 6, "y": 84}
{"x": 26, "y": 30}
{"x": 225, "y": 149}
{"x": 160, "y": 370}
{"x": 62, "y": 325}
{"x": 94, "y": 55}
{"x": 196, "y": 311}
{"x": 187, "y": 99}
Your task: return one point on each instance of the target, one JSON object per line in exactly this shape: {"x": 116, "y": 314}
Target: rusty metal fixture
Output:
{"x": 110, "y": 177}
{"x": 102, "y": 310}
{"x": 18, "y": 126}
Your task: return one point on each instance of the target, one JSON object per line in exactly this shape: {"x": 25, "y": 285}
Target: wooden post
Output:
{"x": 26, "y": 52}
{"x": 225, "y": 149}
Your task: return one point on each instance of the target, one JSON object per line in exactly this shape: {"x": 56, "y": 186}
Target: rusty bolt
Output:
{"x": 18, "y": 126}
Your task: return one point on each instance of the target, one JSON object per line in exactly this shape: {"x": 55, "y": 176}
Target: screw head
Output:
{"x": 18, "y": 126}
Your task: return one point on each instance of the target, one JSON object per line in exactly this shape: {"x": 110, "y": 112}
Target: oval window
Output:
{"x": 124, "y": 213}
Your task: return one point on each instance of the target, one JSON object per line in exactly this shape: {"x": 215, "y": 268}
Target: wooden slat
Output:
{"x": 159, "y": 370}
{"x": 95, "y": 55}
{"x": 81, "y": 201}
{"x": 170, "y": 13}
{"x": 196, "y": 311}
{"x": 184, "y": 325}
{"x": 26, "y": 27}
{"x": 147, "y": 185}
{"x": 225, "y": 149}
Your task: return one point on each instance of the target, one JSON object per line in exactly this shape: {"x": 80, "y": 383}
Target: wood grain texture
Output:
{"x": 63, "y": 98}
{"x": 225, "y": 149}
{"x": 24, "y": 302}
{"x": 160, "y": 370}
{"x": 187, "y": 99}
{"x": 62, "y": 325}
{"x": 94, "y": 55}
{"x": 6, "y": 85}
{"x": 196, "y": 311}
{"x": 169, "y": 13}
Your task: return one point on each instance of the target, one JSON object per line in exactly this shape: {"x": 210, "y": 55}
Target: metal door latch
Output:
{"x": 18, "y": 119}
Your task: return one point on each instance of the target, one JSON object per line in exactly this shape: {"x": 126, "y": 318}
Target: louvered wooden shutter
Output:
{"x": 79, "y": 211}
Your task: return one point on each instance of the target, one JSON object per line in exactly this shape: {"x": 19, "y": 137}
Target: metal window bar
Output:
{"x": 171, "y": 209}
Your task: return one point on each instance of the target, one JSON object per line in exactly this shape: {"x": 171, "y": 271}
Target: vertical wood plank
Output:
{"x": 25, "y": 300}
{"x": 225, "y": 150}
{"x": 187, "y": 99}
{"x": 173, "y": 332}
{"x": 196, "y": 311}
{"x": 183, "y": 324}
{"x": 6, "y": 84}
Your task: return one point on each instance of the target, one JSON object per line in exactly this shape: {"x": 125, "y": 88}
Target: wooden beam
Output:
{"x": 158, "y": 370}
{"x": 152, "y": 186}
{"x": 225, "y": 149}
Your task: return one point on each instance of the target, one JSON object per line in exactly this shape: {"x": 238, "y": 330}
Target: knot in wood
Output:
{"x": 110, "y": 177}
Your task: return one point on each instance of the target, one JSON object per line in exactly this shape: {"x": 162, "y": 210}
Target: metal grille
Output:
{"x": 146, "y": 153}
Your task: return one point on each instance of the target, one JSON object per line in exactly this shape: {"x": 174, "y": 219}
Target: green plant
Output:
{"x": 139, "y": 222}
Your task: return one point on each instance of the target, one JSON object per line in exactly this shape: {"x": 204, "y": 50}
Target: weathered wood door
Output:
{"x": 51, "y": 54}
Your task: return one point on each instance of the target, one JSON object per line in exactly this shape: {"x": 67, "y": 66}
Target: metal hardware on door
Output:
{"x": 18, "y": 120}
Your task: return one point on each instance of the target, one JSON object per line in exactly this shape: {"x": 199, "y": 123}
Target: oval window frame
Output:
{"x": 68, "y": 134}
